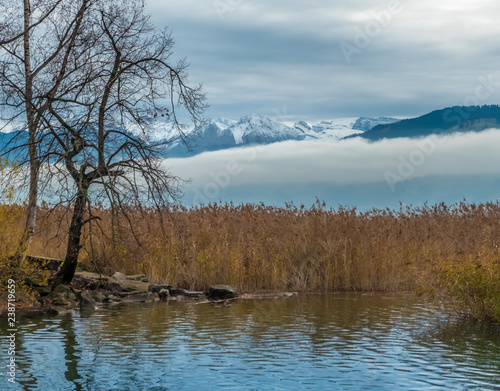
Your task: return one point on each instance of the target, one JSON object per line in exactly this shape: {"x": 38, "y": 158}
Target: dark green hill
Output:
{"x": 449, "y": 120}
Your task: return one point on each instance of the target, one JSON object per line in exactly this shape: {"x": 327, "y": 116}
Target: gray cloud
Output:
{"x": 262, "y": 56}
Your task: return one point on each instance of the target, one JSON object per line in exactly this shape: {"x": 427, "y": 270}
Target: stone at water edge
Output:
{"x": 222, "y": 292}
{"x": 164, "y": 294}
{"x": 62, "y": 289}
{"x": 156, "y": 288}
{"x": 97, "y": 296}
{"x": 138, "y": 277}
{"x": 127, "y": 285}
{"x": 59, "y": 299}
{"x": 62, "y": 296}
{"x": 119, "y": 276}
{"x": 288, "y": 294}
{"x": 88, "y": 280}
{"x": 111, "y": 299}
{"x": 87, "y": 302}
{"x": 142, "y": 297}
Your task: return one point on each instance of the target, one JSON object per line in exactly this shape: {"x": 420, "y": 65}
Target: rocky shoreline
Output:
{"x": 89, "y": 290}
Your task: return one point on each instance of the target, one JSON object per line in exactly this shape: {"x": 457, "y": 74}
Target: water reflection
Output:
{"x": 341, "y": 342}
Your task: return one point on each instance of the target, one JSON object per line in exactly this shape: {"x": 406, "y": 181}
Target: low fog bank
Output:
{"x": 352, "y": 172}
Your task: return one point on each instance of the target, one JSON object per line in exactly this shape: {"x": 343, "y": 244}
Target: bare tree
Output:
{"x": 86, "y": 78}
{"x": 34, "y": 36}
{"x": 119, "y": 76}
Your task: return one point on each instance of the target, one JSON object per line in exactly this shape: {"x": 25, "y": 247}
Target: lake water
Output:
{"x": 309, "y": 342}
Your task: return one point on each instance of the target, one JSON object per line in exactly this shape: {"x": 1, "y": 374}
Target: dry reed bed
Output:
{"x": 258, "y": 247}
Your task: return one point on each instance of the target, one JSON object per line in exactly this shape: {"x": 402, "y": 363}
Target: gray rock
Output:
{"x": 222, "y": 292}
{"x": 288, "y": 294}
{"x": 138, "y": 277}
{"x": 164, "y": 294}
{"x": 143, "y": 297}
{"x": 87, "y": 280}
{"x": 117, "y": 283}
{"x": 97, "y": 296}
{"x": 90, "y": 276}
{"x": 127, "y": 285}
{"x": 111, "y": 299}
{"x": 176, "y": 292}
{"x": 60, "y": 299}
{"x": 156, "y": 288}
{"x": 62, "y": 289}
{"x": 119, "y": 276}
{"x": 193, "y": 294}
{"x": 87, "y": 302}
{"x": 78, "y": 293}
{"x": 62, "y": 296}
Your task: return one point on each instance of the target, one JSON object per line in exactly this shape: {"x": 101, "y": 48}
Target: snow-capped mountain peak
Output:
{"x": 259, "y": 129}
{"x": 303, "y": 126}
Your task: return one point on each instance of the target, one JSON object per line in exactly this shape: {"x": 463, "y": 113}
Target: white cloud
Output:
{"x": 353, "y": 161}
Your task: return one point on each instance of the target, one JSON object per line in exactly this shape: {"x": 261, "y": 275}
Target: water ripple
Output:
{"x": 341, "y": 342}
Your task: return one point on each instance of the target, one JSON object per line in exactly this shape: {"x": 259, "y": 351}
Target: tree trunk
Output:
{"x": 29, "y": 229}
{"x": 68, "y": 268}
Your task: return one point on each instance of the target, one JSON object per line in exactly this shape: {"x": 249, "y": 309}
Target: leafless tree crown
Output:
{"x": 87, "y": 78}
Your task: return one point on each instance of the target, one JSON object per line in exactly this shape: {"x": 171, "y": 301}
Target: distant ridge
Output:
{"x": 449, "y": 120}
{"x": 258, "y": 129}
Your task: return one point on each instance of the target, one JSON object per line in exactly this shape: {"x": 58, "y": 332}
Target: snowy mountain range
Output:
{"x": 223, "y": 133}
{"x": 259, "y": 130}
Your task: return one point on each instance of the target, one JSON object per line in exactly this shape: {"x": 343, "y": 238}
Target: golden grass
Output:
{"x": 262, "y": 248}
{"x": 434, "y": 250}
{"x": 11, "y": 227}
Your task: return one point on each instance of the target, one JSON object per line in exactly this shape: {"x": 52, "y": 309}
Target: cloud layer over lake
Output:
{"x": 349, "y": 172}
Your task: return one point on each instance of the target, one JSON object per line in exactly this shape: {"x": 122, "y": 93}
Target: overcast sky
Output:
{"x": 324, "y": 59}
